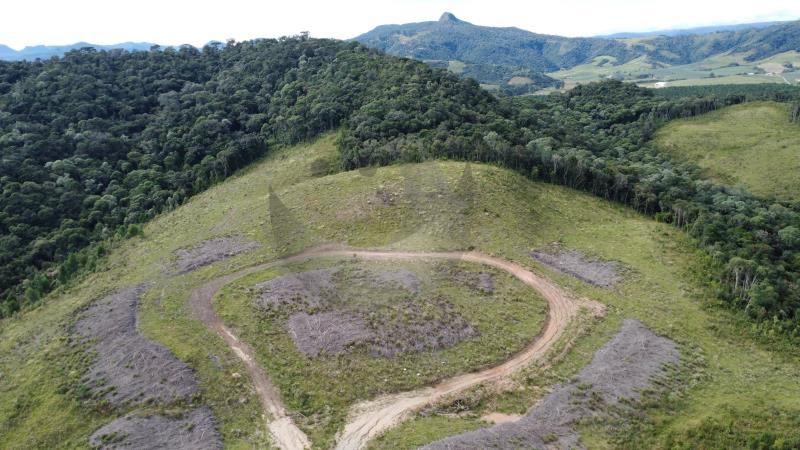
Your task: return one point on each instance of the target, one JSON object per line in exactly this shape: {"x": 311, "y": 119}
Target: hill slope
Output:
{"x": 754, "y": 144}
{"x": 45, "y": 401}
{"x": 451, "y": 39}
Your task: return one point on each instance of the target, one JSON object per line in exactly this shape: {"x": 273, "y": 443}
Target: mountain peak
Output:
{"x": 448, "y": 18}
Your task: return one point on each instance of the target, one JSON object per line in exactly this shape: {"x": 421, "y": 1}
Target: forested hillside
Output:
{"x": 99, "y": 141}
{"x": 515, "y": 50}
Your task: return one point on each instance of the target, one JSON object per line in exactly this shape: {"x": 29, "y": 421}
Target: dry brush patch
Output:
{"x": 129, "y": 368}
{"x": 211, "y": 251}
{"x": 593, "y": 271}
{"x": 332, "y": 312}
{"x": 608, "y": 386}
{"x": 194, "y": 430}
{"x": 327, "y": 332}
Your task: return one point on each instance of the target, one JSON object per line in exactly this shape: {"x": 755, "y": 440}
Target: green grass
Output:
{"x": 744, "y": 386}
{"x": 316, "y": 386}
{"x": 754, "y": 145}
{"x": 645, "y": 73}
{"x": 456, "y": 66}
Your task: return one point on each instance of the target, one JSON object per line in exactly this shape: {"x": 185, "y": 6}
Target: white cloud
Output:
{"x": 197, "y": 22}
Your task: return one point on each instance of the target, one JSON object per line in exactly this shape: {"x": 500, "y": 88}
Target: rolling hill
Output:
{"x": 694, "y": 57}
{"x": 306, "y": 242}
{"x": 283, "y": 205}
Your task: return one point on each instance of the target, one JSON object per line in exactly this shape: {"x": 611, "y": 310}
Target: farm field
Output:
{"x": 719, "y": 69}
{"x": 285, "y": 204}
{"x": 754, "y": 145}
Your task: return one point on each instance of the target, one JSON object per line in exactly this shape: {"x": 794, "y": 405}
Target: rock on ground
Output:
{"x": 194, "y": 430}
{"x": 128, "y": 368}
{"x": 620, "y": 370}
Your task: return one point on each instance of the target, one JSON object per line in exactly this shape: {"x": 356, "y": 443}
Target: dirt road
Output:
{"x": 368, "y": 419}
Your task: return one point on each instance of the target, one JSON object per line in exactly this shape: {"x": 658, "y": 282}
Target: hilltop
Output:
{"x": 282, "y": 205}
{"x": 468, "y": 49}
{"x": 306, "y": 241}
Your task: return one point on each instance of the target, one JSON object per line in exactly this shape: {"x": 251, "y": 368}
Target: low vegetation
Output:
{"x": 755, "y": 145}
{"x": 509, "y": 216}
{"x": 607, "y": 389}
{"x": 395, "y": 338}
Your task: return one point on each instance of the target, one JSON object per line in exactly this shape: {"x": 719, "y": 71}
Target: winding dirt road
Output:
{"x": 369, "y": 419}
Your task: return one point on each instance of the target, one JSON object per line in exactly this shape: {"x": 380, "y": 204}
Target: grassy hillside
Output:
{"x": 40, "y": 402}
{"x": 753, "y": 144}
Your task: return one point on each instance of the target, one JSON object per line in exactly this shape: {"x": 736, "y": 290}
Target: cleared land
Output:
{"x": 754, "y": 145}
{"x": 571, "y": 262}
{"x": 616, "y": 376}
{"x": 509, "y": 217}
{"x": 428, "y": 327}
{"x": 194, "y": 430}
{"x": 211, "y": 251}
{"x": 127, "y": 367}
{"x": 718, "y": 69}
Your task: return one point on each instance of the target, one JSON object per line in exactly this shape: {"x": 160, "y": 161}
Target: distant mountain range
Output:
{"x": 512, "y": 54}
{"x": 517, "y": 61}
{"x": 48, "y": 51}
{"x": 695, "y": 30}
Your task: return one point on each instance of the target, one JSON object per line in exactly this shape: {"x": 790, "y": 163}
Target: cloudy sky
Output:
{"x": 172, "y": 22}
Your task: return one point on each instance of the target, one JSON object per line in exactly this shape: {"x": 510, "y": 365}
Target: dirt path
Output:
{"x": 368, "y": 419}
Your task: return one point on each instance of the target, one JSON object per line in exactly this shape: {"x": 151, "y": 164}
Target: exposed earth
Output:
{"x": 371, "y": 418}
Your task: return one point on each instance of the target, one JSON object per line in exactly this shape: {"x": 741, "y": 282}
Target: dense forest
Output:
{"x": 97, "y": 142}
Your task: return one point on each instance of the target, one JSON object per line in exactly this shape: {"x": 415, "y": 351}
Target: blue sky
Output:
{"x": 197, "y": 22}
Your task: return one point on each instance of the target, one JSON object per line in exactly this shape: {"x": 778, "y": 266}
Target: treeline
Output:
{"x": 595, "y": 138}
{"x": 734, "y": 93}
{"x": 97, "y": 142}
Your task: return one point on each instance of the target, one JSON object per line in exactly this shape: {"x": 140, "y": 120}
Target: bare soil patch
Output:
{"x": 194, "y": 430}
{"x": 129, "y": 368}
{"x": 618, "y": 372}
{"x": 211, "y": 251}
{"x": 593, "y": 271}
{"x": 368, "y": 419}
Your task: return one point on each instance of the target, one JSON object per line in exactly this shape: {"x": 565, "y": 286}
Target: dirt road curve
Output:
{"x": 368, "y": 419}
